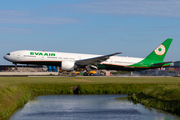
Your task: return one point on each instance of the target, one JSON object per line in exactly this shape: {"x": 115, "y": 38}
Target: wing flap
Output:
{"x": 95, "y": 60}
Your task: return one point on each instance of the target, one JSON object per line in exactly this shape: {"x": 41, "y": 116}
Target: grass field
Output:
{"x": 10, "y": 80}
{"x": 16, "y": 91}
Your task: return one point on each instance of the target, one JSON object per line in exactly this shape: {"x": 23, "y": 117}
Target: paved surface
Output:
{"x": 55, "y": 74}
{"x": 100, "y": 76}
{"x": 27, "y": 73}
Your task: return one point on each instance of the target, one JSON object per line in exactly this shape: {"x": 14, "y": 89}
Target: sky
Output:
{"x": 133, "y": 27}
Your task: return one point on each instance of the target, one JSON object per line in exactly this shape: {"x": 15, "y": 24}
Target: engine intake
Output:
{"x": 67, "y": 65}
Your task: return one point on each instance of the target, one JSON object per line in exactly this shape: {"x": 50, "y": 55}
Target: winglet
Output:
{"x": 117, "y": 53}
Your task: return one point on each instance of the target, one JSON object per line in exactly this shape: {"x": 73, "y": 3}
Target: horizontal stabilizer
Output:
{"x": 162, "y": 63}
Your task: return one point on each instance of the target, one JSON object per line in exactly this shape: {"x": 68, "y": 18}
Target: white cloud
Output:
{"x": 162, "y": 8}
{"x": 37, "y": 20}
{"x": 152, "y": 8}
{"x": 10, "y": 13}
{"x": 11, "y": 30}
{"x": 25, "y": 17}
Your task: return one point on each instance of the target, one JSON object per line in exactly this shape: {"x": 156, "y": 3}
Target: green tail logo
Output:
{"x": 160, "y": 50}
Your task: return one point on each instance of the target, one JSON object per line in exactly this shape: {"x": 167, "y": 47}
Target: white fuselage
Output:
{"x": 30, "y": 56}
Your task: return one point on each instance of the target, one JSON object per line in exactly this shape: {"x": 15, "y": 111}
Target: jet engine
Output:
{"x": 68, "y": 65}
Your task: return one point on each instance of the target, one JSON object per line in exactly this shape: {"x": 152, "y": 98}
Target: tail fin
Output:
{"x": 156, "y": 56}
{"x": 160, "y": 52}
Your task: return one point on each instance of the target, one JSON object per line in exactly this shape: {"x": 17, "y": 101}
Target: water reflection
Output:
{"x": 87, "y": 107}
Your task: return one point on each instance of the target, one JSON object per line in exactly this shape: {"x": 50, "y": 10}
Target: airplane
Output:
{"x": 72, "y": 61}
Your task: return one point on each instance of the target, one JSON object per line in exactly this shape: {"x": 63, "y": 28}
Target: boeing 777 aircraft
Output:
{"x": 71, "y": 61}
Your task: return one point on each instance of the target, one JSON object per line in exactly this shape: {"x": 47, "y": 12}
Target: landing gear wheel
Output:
{"x": 85, "y": 74}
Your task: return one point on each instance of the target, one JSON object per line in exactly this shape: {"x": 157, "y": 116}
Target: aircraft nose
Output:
{"x": 5, "y": 57}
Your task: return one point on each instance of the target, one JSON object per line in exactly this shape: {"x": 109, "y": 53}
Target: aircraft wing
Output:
{"x": 162, "y": 63}
{"x": 95, "y": 60}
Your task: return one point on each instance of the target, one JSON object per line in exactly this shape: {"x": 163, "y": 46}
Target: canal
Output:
{"x": 87, "y": 107}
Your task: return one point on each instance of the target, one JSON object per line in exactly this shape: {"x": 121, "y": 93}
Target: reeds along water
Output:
{"x": 12, "y": 97}
{"x": 108, "y": 88}
{"x": 164, "y": 97}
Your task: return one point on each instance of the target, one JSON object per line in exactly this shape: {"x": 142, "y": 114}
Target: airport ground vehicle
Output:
{"x": 89, "y": 73}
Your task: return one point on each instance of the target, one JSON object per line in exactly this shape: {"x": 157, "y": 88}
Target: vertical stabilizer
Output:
{"x": 160, "y": 52}
{"x": 156, "y": 56}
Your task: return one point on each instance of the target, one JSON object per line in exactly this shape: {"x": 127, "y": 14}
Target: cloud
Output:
{"x": 152, "y": 8}
{"x": 11, "y": 30}
{"x": 37, "y": 20}
{"x": 109, "y": 29}
{"x": 25, "y": 17}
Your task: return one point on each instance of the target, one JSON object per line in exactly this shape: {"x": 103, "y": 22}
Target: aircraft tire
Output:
{"x": 91, "y": 74}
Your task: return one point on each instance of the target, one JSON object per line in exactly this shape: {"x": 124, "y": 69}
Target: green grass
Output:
{"x": 164, "y": 92}
{"x": 16, "y": 91}
{"x": 162, "y": 96}
{"x": 5, "y": 80}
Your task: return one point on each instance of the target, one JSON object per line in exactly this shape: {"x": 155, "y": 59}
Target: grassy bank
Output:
{"x": 11, "y": 97}
{"x": 16, "y": 91}
{"x": 165, "y": 97}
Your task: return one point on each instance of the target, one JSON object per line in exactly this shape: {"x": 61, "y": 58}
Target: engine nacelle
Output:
{"x": 67, "y": 65}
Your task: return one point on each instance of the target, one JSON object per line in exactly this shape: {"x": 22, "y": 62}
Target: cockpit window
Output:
{"x": 8, "y": 54}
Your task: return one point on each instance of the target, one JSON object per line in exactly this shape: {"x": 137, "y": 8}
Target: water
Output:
{"x": 87, "y": 107}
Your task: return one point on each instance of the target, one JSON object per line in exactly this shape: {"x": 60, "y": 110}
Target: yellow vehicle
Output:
{"x": 62, "y": 71}
{"x": 76, "y": 72}
{"x": 89, "y": 73}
